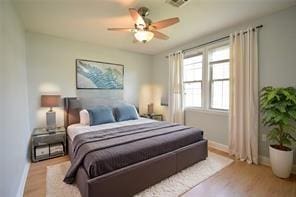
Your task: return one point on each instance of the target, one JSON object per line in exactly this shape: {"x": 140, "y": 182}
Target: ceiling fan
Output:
{"x": 145, "y": 29}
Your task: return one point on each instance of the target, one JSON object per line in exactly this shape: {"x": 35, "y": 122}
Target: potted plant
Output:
{"x": 278, "y": 106}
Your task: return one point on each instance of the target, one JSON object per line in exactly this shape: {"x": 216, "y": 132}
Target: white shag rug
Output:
{"x": 173, "y": 186}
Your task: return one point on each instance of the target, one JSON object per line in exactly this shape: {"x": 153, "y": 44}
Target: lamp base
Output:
{"x": 51, "y": 121}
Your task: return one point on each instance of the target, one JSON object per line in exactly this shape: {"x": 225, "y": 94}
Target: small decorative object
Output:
{"x": 98, "y": 75}
{"x": 278, "y": 106}
{"x": 50, "y": 101}
{"x": 150, "y": 108}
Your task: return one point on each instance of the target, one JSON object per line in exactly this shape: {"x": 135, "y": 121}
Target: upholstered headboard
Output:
{"x": 72, "y": 107}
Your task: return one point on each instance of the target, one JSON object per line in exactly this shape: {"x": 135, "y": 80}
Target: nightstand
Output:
{"x": 153, "y": 116}
{"x": 46, "y": 145}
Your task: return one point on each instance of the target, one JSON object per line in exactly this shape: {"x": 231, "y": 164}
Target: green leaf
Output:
{"x": 292, "y": 114}
{"x": 273, "y": 135}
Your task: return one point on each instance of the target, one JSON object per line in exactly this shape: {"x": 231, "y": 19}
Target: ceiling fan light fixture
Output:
{"x": 144, "y": 29}
{"x": 144, "y": 36}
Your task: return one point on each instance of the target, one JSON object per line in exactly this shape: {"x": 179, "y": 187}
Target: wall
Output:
{"x": 14, "y": 103}
{"x": 277, "y": 61}
{"x": 51, "y": 69}
{"x": 1, "y": 98}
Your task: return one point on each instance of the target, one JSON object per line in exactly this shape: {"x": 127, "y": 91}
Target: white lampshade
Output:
{"x": 144, "y": 36}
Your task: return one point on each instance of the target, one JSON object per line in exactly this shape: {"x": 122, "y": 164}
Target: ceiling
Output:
{"x": 88, "y": 20}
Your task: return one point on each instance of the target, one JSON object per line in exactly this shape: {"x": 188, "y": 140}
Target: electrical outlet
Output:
{"x": 263, "y": 137}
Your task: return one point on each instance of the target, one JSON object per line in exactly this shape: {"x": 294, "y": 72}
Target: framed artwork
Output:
{"x": 98, "y": 75}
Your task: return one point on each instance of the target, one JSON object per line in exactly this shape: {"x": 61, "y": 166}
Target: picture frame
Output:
{"x": 99, "y": 75}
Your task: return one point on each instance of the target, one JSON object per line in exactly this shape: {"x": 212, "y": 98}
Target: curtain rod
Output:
{"x": 210, "y": 42}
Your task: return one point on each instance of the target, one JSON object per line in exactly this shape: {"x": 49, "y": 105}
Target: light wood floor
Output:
{"x": 238, "y": 179}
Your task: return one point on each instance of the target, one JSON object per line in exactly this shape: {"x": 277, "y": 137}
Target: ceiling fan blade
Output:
{"x": 137, "y": 17}
{"x": 121, "y": 29}
{"x": 165, "y": 23}
{"x": 160, "y": 35}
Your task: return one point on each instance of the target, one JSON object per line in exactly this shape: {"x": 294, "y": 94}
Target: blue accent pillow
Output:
{"x": 100, "y": 115}
{"x": 125, "y": 112}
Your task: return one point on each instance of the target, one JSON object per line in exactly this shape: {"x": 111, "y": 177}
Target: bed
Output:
{"x": 143, "y": 153}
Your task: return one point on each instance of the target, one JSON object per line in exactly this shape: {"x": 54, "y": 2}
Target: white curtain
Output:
{"x": 175, "y": 97}
{"x": 243, "y": 112}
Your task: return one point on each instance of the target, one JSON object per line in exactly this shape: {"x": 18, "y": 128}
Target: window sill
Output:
{"x": 207, "y": 111}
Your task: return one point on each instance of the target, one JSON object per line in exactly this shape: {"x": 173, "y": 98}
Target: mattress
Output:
{"x": 106, "y": 150}
{"x": 76, "y": 129}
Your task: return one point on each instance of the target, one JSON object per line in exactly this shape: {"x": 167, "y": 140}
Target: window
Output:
{"x": 219, "y": 77}
{"x": 206, "y": 77}
{"x": 192, "y": 78}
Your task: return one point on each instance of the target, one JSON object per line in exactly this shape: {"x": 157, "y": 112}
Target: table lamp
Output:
{"x": 164, "y": 101}
{"x": 150, "y": 108}
{"x": 50, "y": 101}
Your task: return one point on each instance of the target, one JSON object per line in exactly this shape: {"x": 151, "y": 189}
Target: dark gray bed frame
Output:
{"x": 132, "y": 179}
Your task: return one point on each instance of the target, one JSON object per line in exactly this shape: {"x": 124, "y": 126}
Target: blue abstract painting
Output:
{"x": 98, "y": 75}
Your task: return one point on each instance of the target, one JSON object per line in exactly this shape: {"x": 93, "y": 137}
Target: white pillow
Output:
{"x": 84, "y": 117}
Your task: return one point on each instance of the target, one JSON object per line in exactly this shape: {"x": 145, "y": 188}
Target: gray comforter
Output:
{"x": 103, "y": 151}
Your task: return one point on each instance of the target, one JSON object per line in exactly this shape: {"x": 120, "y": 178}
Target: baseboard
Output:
{"x": 265, "y": 161}
{"x": 218, "y": 146}
{"x": 20, "y": 192}
{"x": 262, "y": 159}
